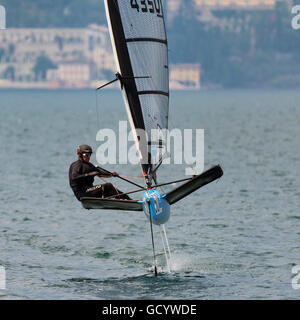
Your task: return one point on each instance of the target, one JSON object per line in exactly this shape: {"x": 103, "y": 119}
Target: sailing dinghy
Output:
{"x": 138, "y": 36}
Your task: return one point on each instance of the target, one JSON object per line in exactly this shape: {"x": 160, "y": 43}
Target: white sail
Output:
{"x": 138, "y": 35}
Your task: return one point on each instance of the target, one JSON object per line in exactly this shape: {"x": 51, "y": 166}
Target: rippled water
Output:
{"x": 234, "y": 239}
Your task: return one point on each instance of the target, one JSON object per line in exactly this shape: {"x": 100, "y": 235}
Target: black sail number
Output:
{"x": 134, "y": 5}
{"x": 144, "y": 8}
{"x": 150, "y": 3}
{"x": 152, "y": 6}
{"x": 158, "y": 6}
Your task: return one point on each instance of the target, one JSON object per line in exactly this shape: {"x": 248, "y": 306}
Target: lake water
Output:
{"x": 237, "y": 238}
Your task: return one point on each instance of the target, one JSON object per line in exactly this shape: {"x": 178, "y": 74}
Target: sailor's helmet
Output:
{"x": 84, "y": 148}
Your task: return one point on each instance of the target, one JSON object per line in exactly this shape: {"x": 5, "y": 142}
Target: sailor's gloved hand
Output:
{"x": 91, "y": 174}
{"x": 114, "y": 174}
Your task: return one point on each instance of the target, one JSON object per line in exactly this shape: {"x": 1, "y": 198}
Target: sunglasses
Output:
{"x": 86, "y": 154}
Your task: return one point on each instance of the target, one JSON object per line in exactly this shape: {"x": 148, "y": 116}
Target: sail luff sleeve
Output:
{"x": 141, "y": 47}
{"x": 125, "y": 68}
{"x": 125, "y": 63}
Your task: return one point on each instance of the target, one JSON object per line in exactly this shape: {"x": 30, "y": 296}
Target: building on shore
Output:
{"x": 235, "y": 4}
{"x": 185, "y": 76}
{"x": 203, "y": 8}
{"x": 71, "y": 56}
{"x": 68, "y": 58}
{"x": 70, "y": 74}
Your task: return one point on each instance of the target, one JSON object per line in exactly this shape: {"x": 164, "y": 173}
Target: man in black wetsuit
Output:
{"x": 81, "y": 177}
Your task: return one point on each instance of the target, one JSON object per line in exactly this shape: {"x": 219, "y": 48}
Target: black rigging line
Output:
{"x": 97, "y": 111}
{"x": 117, "y": 176}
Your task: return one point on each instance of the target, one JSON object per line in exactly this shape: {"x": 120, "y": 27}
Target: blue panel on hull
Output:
{"x": 155, "y": 204}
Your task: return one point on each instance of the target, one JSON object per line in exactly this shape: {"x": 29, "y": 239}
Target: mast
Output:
{"x": 138, "y": 36}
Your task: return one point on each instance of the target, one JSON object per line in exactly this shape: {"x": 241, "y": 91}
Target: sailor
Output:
{"x": 81, "y": 177}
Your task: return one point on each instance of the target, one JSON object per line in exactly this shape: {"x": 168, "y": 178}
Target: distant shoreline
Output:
{"x": 203, "y": 89}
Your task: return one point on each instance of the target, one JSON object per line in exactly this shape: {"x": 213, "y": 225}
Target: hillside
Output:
{"x": 53, "y": 13}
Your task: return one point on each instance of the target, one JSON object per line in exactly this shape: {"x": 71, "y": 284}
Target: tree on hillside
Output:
{"x": 9, "y": 73}
{"x": 60, "y": 42}
{"x": 42, "y": 65}
{"x": 2, "y": 53}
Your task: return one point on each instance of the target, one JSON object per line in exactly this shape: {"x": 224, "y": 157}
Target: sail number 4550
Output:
{"x": 152, "y": 6}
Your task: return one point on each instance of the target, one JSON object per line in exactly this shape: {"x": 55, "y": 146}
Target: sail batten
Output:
{"x": 147, "y": 40}
{"x": 153, "y": 92}
{"x": 140, "y": 47}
